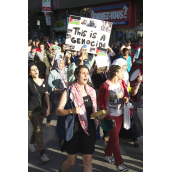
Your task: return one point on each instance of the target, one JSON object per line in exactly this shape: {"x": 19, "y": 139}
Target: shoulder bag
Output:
{"x": 65, "y": 124}
{"x": 42, "y": 108}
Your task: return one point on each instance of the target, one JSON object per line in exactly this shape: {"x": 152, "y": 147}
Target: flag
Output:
{"x": 50, "y": 45}
{"x": 97, "y": 50}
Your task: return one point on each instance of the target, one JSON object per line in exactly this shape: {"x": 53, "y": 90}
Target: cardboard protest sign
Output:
{"x": 92, "y": 34}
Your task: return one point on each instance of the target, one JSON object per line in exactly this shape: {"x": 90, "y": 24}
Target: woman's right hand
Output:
{"x": 76, "y": 110}
{"x": 139, "y": 79}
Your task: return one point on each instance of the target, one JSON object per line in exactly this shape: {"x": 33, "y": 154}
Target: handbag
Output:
{"x": 43, "y": 109}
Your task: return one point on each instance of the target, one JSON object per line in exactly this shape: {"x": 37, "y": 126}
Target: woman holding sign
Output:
{"x": 112, "y": 95}
{"x": 83, "y": 136}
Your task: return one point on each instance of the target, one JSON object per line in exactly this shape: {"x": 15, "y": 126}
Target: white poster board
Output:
{"x": 102, "y": 61}
{"x": 92, "y": 34}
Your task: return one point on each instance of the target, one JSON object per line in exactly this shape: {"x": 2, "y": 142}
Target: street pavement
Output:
{"x": 132, "y": 156}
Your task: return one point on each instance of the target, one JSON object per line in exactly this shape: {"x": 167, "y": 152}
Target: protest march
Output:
{"x": 88, "y": 86}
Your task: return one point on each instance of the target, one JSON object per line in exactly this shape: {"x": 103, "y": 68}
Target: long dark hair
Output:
{"x": 29, "y": 67}
{"x": 112, "y": 70}
{"x": 77, "y": 70}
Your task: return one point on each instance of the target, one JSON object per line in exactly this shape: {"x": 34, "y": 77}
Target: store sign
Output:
{"x": 46, "y": 5}
{"x": 113, "y": 13}
{"x": 121, "y": 14}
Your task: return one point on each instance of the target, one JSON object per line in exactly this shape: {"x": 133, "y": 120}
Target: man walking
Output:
{"x": 43, "y": 60}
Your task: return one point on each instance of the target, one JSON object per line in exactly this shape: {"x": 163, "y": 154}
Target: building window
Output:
{"x": 139, "y": 12}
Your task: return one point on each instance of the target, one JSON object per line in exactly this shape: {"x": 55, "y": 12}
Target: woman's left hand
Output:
{"x": 48, "y": 112}
{"x": 126, "y": 99}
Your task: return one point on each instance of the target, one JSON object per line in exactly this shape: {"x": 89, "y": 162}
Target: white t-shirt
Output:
{"x": 129, "y": 47}
{"x": 115, "y": 100}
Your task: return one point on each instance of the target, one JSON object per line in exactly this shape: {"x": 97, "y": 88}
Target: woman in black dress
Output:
{"x": 83, "y": 140}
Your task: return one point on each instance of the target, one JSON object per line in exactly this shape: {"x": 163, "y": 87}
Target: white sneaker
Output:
{"x": 108, "y": 159}
{"x": 122, "y": 168}
{"x": 44, "y": 158}
{"x": 32, "y": 148}
{"x": 112, "y": 159}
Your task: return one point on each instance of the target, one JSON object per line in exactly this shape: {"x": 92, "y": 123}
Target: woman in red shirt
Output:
{"x": 112, "y": 95}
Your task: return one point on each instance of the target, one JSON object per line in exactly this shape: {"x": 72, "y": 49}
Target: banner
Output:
{"x": 46, "y": 5}
{"x": 47, "y": 18}
{"x": 93, "y": 34}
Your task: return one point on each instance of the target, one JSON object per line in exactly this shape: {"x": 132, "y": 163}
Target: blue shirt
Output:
{"x": 128, "y": 63}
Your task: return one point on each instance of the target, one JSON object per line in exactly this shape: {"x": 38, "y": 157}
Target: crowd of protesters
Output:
{"x": 69, "y": 84}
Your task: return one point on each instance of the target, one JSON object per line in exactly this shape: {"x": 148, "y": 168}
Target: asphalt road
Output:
{"x": 133, "y": 157}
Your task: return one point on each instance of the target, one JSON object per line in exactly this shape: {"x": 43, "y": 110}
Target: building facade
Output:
{"x": 127, "y": 16}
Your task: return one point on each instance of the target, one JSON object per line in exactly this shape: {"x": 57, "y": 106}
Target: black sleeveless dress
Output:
{"x": 80, "y": 141}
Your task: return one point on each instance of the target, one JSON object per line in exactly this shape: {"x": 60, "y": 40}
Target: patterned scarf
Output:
{"x": 77, "y": 99}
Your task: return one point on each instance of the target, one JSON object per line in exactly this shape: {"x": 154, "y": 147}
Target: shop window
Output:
{"x": 139, "y": 12}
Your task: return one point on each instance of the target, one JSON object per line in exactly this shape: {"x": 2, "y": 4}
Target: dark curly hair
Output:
{"x": 77, "y": 70}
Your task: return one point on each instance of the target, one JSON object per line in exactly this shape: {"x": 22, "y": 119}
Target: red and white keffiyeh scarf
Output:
{"x": 77, "y": 99}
